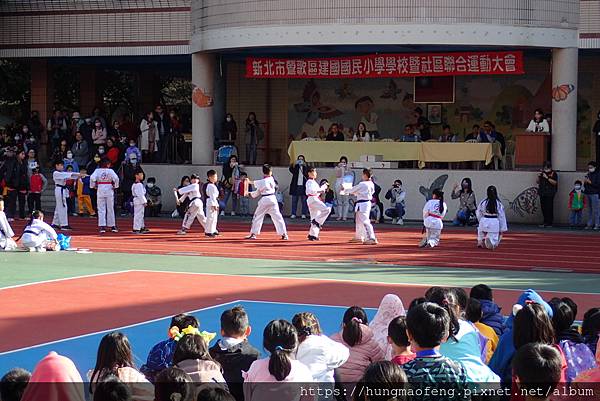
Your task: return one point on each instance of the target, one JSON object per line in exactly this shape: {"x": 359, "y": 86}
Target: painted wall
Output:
{"x": 517, "y": 190}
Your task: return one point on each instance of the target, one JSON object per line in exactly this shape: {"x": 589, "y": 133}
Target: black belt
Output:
{"x": 62, "y": 189}
{"x": 268, "y": 194}
{"x": 31, "y": 232}
{"x": 489, "y": 216}
{"x": 361, "y": 201}
{"x": 190, "y": 204}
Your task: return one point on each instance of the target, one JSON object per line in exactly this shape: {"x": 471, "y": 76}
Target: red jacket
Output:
{"x": 583, "y": 203}
{"x": 36, "y": 184}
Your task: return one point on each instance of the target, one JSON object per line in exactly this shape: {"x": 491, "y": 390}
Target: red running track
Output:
{"x": 520, "y": 250}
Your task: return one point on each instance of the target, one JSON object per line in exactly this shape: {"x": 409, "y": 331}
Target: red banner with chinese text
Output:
{"x": 389, "y": 65}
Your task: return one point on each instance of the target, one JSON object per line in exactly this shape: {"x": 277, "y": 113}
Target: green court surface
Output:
{"x": 22, "y": 268}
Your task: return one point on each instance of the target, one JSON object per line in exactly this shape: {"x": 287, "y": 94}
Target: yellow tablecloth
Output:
{"x": 423, "y": 152}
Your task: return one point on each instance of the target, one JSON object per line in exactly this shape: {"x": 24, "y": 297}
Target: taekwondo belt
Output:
{"x": 359, "y": 202}
{"x": 62, "y": 190}
{"x": 435, "y": 215}
{"x": 104, "y": 183}
{"x": 490, "y": 216}
{"x": 263, "y": 195}
{"x": 190, "y": 204}
{"x": 32, "y": 232}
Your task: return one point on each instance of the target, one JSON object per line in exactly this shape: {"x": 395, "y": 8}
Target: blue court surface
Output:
{"x": 82, "y": 349}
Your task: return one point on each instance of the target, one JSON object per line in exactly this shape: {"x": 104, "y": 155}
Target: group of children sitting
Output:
{"x": 446, "y": 346}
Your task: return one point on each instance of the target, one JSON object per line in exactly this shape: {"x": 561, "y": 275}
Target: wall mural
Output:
{"x": 438, "y": 183}
{"x": 525, "y": 203}
{"x": 561, "y": 92}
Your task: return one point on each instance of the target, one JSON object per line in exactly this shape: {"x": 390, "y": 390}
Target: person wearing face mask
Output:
{"x": 396, "y": 195}
{"x": 91, "y": 167}
{"x": 70, "y": 161}
{"x": 80, "y": 150}
{"x": 153, "y": 193}
{"x": 127, "y": 174}
{"x": 299, "y": 172}
{"x": 591, "y": 189}
{"x": 468, "y": 203}
{"x": 229, "y": 130}
{"x": 577, "y": 202}
{"x": 99, "y": 133}
{"x": 133, "y": 149}
{"x": 229, "y": 179}
{"x": 547, "y": 187}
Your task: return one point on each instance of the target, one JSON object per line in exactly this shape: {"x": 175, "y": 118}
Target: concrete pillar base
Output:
{"x": 203, "y": 70}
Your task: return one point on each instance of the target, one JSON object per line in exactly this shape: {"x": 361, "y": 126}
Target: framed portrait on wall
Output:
{"x": 434, "y": 113}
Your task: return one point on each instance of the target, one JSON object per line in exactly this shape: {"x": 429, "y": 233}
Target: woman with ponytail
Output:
{"x": 433, "y": 215}
{"x": 463, "y": 344}
{"x": 492, "y": 220}
{"x": 39, "y": 236}
{"x": 320, "y": 353}
{"x": 280, "y": 339}
{"x": 359, "y": 338}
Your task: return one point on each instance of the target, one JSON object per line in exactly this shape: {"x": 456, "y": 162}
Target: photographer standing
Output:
{"x": 299, "y": 172}
{"x": 547, "y": 187}
{"x": 591, "y": 189}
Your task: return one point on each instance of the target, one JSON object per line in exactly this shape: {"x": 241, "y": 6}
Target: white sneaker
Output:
{"x": 182, "y": 232}
{"x": 293, "y": 216}
{"x": 400, "y": 222}
{"x": 370, "y": 242}
{"x": 303, "y": 216}
{"x": 233, "y": 213}
{"x": 284, "y": 237}
{"x": 222, "y": 213}
{"x": 356, "y": 241}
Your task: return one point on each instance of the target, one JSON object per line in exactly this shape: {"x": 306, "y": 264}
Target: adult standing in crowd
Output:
{"x": 17, "y": 184}
{"x": 335, "y": 134}
{"x": 591, "y": 189}
{"x": 547, "y": 187}
{"x": 230, "y": 178}
{"x": 80, "y": 149}
{"x": 175, "y": 146}
{"x": 57, "y": 129}
{"x": 163, "y": 126}
{"x": 60, "y": 152}
{"x": 99, "y": 134}
{"x": 254, "y": 134}
{"x": 467, "y": 202}
{"x": 596, "y": 132}
{"x": 149, "y": 138}
{"x": 229, "y": 130}
{"x": 76, "y": 123}
{"x": 86, "y": 131}
{"x": 341, "y": 171}
{"x": 299, "y": 172}
{"x": 538, "y": 124}
{"x": 35, "y": 125}
{"x": 113, "y": 153}
{"x": 127, "y": 174}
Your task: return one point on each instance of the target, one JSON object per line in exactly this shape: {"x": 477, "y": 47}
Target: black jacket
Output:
{"x": 16, "y": 175}
{"x": 594, "y": 187}
{"x": 296, "y": 190}
{"x": 233, "y": 361}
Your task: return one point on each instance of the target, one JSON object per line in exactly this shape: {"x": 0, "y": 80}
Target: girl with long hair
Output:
{"x": 433, "y": 215}
{"x": 492, "y": 220}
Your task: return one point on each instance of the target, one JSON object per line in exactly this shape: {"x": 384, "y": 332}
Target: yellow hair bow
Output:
{"x": 191, "y": 330}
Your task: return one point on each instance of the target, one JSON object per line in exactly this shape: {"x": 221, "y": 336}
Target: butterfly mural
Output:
{"x": 525, "y": 202}
{"x": 561, "y": 92}
{"x": 391, "y": 91}
{"x": 312, "y": 106}
{"x": 345, "y": 91}
{"x": 201, "y": 98}
{"x": 438, "y": 183}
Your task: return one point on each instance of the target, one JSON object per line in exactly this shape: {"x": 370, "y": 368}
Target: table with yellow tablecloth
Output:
{"x": 423, "y": 152}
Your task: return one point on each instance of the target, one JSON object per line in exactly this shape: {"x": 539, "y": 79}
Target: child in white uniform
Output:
{"x": 105, "y": 180}
{"x": 6, "y": 232}
{"x": 195, "y": 209}
{"x": 138, "y": 191}
{"x": 492, "y": 220}
{"x": 61, "y": 193}
{"x": 433, "y": 215}
{"x": 317, "y": 209}
{"x": 39, "y": 236}
{"x": 267, "y": 204}
{"x": 362, "y": 207}
{"x": 212, "y": 205}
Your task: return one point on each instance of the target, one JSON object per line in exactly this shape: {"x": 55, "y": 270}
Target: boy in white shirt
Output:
{"x": 105, "y": 180}
{"x": 364, "y": 191}
{"x": 317, "y": 209}
{"x": 212, "y": 205}
{"x": 267, "y": 204}
{"x": 195, "y": 210}
{"x": 61, "y": 193}
{"x": 138, "y": 191}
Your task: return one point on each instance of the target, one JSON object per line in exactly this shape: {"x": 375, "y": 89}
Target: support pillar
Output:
{"x": 40, "y": 92}
{"x": 203, "y": 77}
{"x": 564, "y": 110}
{"x": 87, "y": 90}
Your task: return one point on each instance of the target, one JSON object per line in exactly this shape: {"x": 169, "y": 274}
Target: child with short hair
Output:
{"x": 364, "y": 192}
{"x": 6, "y": 233}
{"x": 105, "y": 180}
{"x": 160, "y": 356}
{"x": 174, "y": 384}
{"x": 138, "y": 191}
{"x": 427, "y": 327}
{"x": 13, "y": 383}
{"x": 474, "y": 315}
{"x": 212, "y": 205}
{"x": 398, "y": 339}
{"x": 195, "y": 209}
{"x": 491, "y": 312}
{"x": 280, "y": 339}
{"x": 214, "y": 394}
{"x": 233, "y": 351}
{"x": 267, "y": 204}
{"x": 84, "y": 197}
{"x": 537, "y": 370}
{"x": 243, "y": 189}
{"x": 433, "y": 219}
{"x": 317, "y": 209}
{"x": 381, "y": 381}
{"x": 577, "y": 202}
{"x": 153, "y": 194}
{"x": 61, "y": 193}
{"x": 396, "y": 195}
{"x": 39, "y": 236}
{"x": 133, "y": 150}
{"x": 37, "y": 185}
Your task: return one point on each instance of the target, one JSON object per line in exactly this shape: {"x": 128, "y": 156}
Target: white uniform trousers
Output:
{"x": 268, "y": 205}
{"x": 106, "y": 210}
{"x": 138, "y": 216}
{"x": 364, "y": 229}
{"x": 194, "y": 211}
{"x": 211, "y": 220}
{"x": 318, "y": 212}
{"x": 433, "y": 236}
{"x": 489, "y": 228}
{"x": 61, "y": 215}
